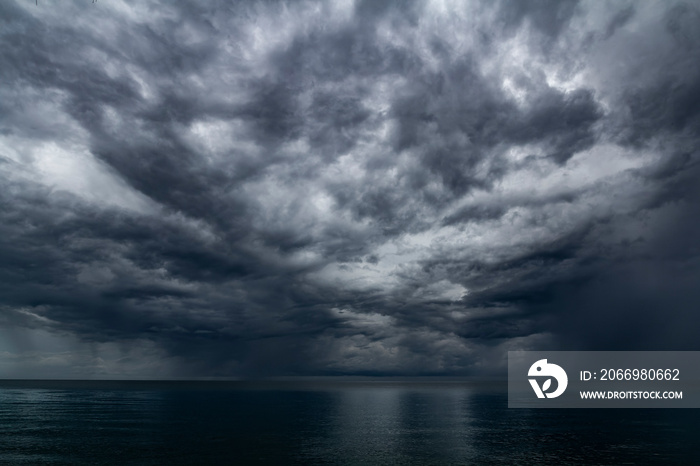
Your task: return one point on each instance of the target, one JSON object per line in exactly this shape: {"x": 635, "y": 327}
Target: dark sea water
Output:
{"x": 319, "y": 422}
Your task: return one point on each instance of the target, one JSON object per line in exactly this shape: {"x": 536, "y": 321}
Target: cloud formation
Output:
{"x": 356, "y": 187}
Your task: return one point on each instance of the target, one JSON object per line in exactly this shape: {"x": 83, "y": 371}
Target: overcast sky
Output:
{"x": 348, "y": 187}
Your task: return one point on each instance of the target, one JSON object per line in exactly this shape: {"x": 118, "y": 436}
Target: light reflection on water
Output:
{"x": 322, "y": 423}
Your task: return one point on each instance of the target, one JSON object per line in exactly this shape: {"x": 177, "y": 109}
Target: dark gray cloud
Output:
{"x": 203, "y": 189}
{"x": 548, "y": 17}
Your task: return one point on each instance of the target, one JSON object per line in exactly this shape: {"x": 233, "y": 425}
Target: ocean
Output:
{"x": 383, "y": 422}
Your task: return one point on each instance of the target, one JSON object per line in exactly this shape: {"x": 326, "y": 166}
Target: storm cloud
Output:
{"x": 354, "y": 187}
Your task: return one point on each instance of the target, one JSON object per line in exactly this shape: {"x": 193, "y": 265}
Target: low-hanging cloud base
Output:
{"x": 352, "y": 187}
